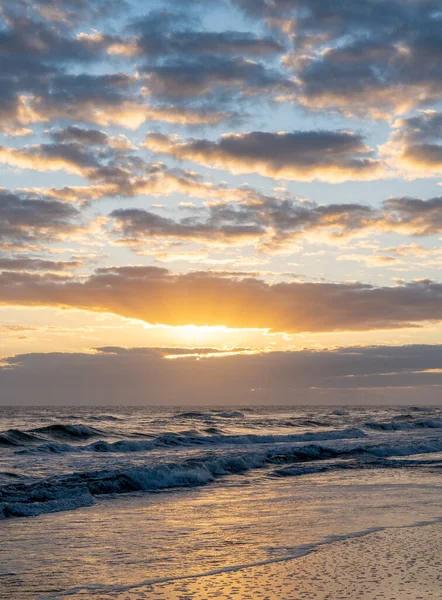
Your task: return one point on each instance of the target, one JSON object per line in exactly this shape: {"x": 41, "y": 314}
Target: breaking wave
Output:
{"x": 65, "y": 492}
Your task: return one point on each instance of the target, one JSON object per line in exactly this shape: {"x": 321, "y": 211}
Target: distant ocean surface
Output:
{"x": 123, "y": 495}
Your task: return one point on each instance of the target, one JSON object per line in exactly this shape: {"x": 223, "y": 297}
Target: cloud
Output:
{"x": 372, "y": 58}
{"x": 267, "y": 221}
{"x": 49, "y": 67}
{"x": 183, "y": 115}
{"x": 192, "y": 67}
{"x": 414, "y": 216}
{"x": 172, "y": 352}
{"x": 73, "y": 133}
{"x": 43, "y": 63}
{"x": 68, "y": 12}
{"x": 105, "y": 160}
{"x": 240, "y": 216}
{"x": 216, "y": 76}
{"x": 138, "y": 225}
{"x": 24, "y": 263}
{"x": 376, "y": 374}
{"x": 111, "y": 98}
{"x": 274, "y": 221}
{"x": 158, "y": 296}
{"x": 50, "y": 157}
{"x": 64, "y": 60}
{"x": 301, "y": 155}
{"x": 164, "y": 33}
{"x": 26, "y": 219}
{"x": 110, "y": 163}
{"x": 415, "y": 145}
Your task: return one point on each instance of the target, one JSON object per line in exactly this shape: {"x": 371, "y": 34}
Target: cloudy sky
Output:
{"x": 220, "y": 201}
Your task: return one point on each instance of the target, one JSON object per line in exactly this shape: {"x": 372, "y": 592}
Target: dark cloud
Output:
{"x": 39, "y": 57}
{"x": 137, "y": 225}
{"x": 192, "y": 67}
{"x": 369, "y": 57}
{"x": 24, "y": 263}
{"x": 379, "y": 374}
{"x": 414, "y": 216}
{"x": 79, "y": 134}
{"x": 110, "y": 163}
{"x": 162, "y": 33}
{"x": 47, "y": 73}
{"x": 67, "y": 12}
{"x": 238, "y": 217}
{"x": 415, "y": 145}
{"x": 26, "y": 219}
{"x": 33, "y": 92}
{"x": 102, "y": 99}
{"x": 26, "y": 38}
{"x": 300, "y": 155}
{"x": 217, "y": 77}
{"x": 158, "y": 296}
{"x": 266, "y": 220}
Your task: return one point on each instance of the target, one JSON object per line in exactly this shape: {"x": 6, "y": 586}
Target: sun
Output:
{"x": 202, "y": 335}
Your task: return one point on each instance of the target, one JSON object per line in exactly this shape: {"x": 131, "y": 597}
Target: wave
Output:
{"x": 309, "y": 423}
{"x": 400, "y": 424}
{"x": 231, "y": 414}
{"x": 193, "y": 438}
{"x": 196, "y": 414}
{"x": 58, "y": 437}
{"x": 69, "y": 431}
{"x": 104, "y": 418}
{"x": 49, "y": 448}
{"x": 9, "y": 474}
{"x": 65, "y": 492}
{"x": 363, "y": 462}
{"x": 193, "y": 414}
{"x": 90, "y": 418}
{"x": 15, "y": 437}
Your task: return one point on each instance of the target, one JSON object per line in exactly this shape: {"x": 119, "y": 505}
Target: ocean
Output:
{"x": 97, "y": 501}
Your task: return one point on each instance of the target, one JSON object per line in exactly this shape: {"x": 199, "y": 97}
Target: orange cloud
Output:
{"x": 158, "y": 296}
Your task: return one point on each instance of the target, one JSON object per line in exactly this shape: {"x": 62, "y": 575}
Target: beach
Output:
{"x": 394, "y": 564}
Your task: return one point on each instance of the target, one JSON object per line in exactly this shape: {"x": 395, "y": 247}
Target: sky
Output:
{"x": 229, "y": 202}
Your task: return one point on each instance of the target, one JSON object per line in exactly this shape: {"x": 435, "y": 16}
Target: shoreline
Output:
{"x": 400, "y": 563}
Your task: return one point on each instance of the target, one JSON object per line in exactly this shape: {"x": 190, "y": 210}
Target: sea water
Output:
{"x": 102, "y": 499}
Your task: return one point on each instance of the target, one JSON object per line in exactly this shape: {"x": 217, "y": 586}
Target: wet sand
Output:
{"x": 394, "y": 564}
